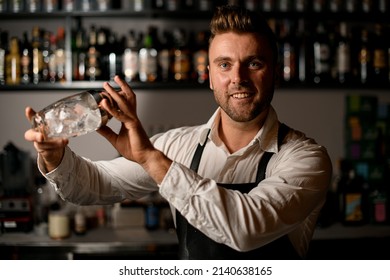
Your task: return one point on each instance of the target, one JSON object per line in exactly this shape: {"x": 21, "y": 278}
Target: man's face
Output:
{"x": 242, "y": 74}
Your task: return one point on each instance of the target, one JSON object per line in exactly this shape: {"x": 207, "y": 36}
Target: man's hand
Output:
{"x": 132, "y": 142}
{"x": 51, "y": 151}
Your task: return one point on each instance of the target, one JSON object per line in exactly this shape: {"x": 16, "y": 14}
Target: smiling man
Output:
{"x": 241, "y": 186}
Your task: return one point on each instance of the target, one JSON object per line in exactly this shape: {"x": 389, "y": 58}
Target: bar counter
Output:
{"x": 333, "y": 242}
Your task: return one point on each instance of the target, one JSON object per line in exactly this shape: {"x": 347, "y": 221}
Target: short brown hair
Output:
{"x": 237, "y": 19}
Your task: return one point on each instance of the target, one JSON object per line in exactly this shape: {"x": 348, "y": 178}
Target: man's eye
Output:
{"x": 255, "y": 64}
{"x": 224, "y": 65}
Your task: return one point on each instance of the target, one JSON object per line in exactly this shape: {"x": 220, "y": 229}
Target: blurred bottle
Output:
{"x": 3, "y": 52}
{"x": 33, "y": 6}
{"x": 343, "y": 58}
{"x": 164, "y": 56}
{"x": 12, "y": 63}
{"x": 200, "y": 58}
{"x": 37, "y": 55}
{"x": 321, "y": 55}
{"x": 353, "y": 196}
{"x": 26, "y": 60}
{"x": 181, "y": 56}
{"x": 288, "y": 52}
{"x": 130, "y": 58}
{"x": 364, "y": 58}
{"x": 148, "y": 58}
{"x": 60, "y": 55}
{"x": 380, "y": 57}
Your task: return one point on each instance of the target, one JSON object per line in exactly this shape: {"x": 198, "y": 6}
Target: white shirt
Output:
{"x": 288, "y": 201}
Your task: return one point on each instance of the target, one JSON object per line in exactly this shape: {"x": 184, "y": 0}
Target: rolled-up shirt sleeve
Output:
{"x": 84, "y": 182}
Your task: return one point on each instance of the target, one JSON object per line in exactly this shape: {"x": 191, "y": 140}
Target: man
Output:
{"x": 240, "y": 186}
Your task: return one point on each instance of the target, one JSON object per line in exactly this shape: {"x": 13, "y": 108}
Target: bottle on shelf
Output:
{"x": 300, "y": 5}
{"x": 79, "y": 53}
{"x": 12, "y": 63}
{"x": 164, "y": 56}
{"x": 3, "y": 52}
{"x": 351, "y": 6}
{"x": 37, "y": 59}
{"x": 353, "y": 196}
{"x": 303, "y": 53}
{"x": 114, "y": 55}
{"x": 93, "y": 70}
{"x": 148, "y": 58}
{"x": 33, "y": 6}
{"x": 321, "y": 55}
{"x": 200, "y": 58}
{"x": 343, "y": 55}
{"x": 26, "y": 59}
{"x": 364, "y": 69}
{"x": 47, "y": 52}
{"x": 60, "y": 55}
{"x": 288, "y": 52}
{"x": 380, "y": 57}
{"x": 181, "y": 62}
{"x": 130, "y": 57}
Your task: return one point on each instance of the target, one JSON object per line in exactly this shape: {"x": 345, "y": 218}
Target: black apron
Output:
{"x": 193, "y": 244}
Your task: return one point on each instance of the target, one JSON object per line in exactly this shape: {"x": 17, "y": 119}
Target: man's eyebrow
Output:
{"x": 221, "y": 58}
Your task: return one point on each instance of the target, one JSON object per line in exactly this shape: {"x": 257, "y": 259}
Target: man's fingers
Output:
{"x": 29, "y": 112}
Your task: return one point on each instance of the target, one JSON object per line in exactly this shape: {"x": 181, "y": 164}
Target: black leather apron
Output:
{"x": 193, "y": 244}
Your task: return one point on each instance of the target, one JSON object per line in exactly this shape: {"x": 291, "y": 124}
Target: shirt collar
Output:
{"x": 267, "y": 137}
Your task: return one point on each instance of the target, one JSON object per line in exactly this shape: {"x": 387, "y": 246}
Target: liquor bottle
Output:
{"x": 284, "y": 5}
{"x": 367, "y": 6}
{"x": 207, "y": 5}
{"x": 130, "y": 58}
{"x": 93, "y": 70}
{"x": 321, "y": 56}
{"x": 46, "y": 55}
{"x": 173, "y": 5}
{"x": 343, "y": 57}
{"x": 148, "y": 58}
{"x": 379, "y": 204}
{"x": 26, "y": 60}
{"x": 16, "y": 6}
{"x": 103, "y": 50}
{"x": 50, "y": 5}
{"x": 79, "y": 53}
{"x": 200, "y": 58}
{"x": 353, "y": 197}
{"x": 303, "y": 55}
{"x": 60, "y": 55}
{"x": 383, "y": 6}
{"x": 164, "y": 56}
{"x": 12, "y": 63}
{"x": 365, "y": 70}
{"x": 114, "y": 55}
{"x": 300, "y": 5}
{"x": 53, "y": 77}
{"x": 268, "y": 5}
{"x": 335, "y": 6}
{"x": 33, "y": 6}
{"x": 288, "y": 53}
{"x": 3, "y": 52}
{"x": 181, "y": 57}
{"x": 380, "y": 57}
{"x": 37, "y": 55}
{"x": 319, "y": 6}
{"x": 158, "y": 4}
{"x": 72, "y": 116}
{"x": 351, "y": 6}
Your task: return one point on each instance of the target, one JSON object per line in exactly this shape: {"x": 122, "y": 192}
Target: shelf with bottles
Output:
{"x": 305, "y": 36}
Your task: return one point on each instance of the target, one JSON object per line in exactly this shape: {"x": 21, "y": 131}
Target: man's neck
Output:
{"x": 236, "y": 135}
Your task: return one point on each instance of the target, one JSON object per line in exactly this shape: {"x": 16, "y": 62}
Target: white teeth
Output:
{"x": 240, "y": 95}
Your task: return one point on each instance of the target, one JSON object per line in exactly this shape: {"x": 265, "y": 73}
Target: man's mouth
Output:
{"x": 240, "y": 95}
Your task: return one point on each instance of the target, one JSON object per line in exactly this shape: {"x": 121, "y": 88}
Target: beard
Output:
{"x": 249, "y": 110}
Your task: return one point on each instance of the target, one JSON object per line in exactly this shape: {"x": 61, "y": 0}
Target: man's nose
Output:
{"x": 239, "y": 75}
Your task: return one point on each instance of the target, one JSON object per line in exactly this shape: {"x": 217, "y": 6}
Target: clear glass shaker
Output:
{"x": 72, "y": 116}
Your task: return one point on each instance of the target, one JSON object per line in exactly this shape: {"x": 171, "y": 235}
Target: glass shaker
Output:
{"x": 72, "y": 116}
